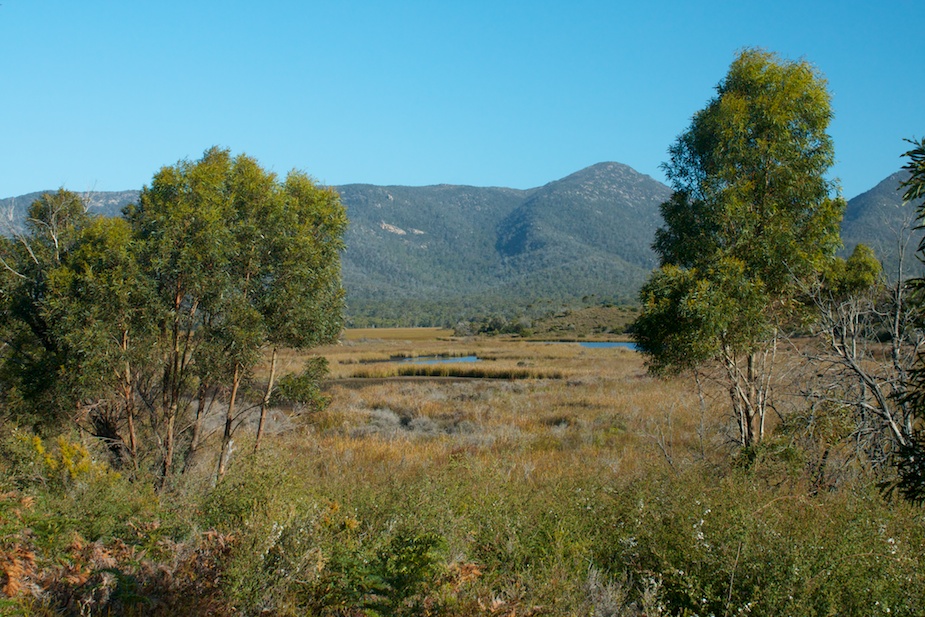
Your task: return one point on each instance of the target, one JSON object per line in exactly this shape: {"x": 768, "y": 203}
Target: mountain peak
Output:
{"x": 603, "y": 171}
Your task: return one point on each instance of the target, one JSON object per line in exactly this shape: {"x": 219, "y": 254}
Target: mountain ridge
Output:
{"x": 421, "y": 255}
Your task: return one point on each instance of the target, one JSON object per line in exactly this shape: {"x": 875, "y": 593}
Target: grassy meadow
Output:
{"x": 546, "y": 479}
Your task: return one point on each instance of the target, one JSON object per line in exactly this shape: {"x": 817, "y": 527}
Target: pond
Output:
{"x": 595, "y": 344}
{"x": 439, "y": 360}
{"x": 607, "y": 344}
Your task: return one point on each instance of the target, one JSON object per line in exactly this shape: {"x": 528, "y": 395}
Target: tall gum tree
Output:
{"x": 74, "y": 322}
{"x": 130, "y": 325}
{"x": 242, "y": 263}
{"x": 752, "y": 215}
{"x": 301, "y": 298}
{"x": 38, "y": 377}
{"x": 287, "y": 289}
{"x": 185, "y": 246}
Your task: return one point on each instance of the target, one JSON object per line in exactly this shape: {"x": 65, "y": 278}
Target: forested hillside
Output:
{"x": 433, "y": 255}
{"x": 459, "y": 251}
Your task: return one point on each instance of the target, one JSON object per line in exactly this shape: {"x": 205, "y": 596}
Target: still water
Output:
{"x": 439, "y": 360}
{"x": 471, "y": 359}
{"x": 607, "y": 344}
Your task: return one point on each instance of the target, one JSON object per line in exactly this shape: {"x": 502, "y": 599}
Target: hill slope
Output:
{"x": 590, "y": 233}
{"x": 104, "y": 203}
{"x": 471, "y": 249}
{"x": 436, "y": 254}
{"x": 880, "y": 219}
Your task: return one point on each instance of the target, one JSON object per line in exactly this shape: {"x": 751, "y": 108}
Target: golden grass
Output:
{"x": 396, "y": 334}
{"x": 570, "y": 407}
{"x": 537, "y": 411}
{"x": 541, "y": 405}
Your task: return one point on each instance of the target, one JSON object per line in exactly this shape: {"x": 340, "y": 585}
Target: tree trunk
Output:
{"x": 741, "y": 394}
{"x": 128, "y": 394}
{"x": 752, "y": 396}
{"x": 225, "y": 453}
{"x": 197, "y": 426}
{"x": 170, "y": 444}
{"x": 265, "y": 403}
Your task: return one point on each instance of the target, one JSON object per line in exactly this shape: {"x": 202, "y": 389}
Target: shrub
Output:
{"x": 303, "y": 390}
{"x": 737, "y": 546}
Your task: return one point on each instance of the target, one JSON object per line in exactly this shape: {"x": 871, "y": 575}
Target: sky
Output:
{"x": 98, "y": 95}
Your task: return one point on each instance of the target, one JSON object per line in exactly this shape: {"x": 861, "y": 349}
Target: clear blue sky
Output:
{"x": 98, "y": 95}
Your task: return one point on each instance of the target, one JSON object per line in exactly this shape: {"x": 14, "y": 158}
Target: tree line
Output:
{"x": 132, "y": 327}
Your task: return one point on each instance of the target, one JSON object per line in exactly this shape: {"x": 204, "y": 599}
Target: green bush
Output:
{"x": 77, "y": 537}
{"x": 322, "y": 560}
{"x": 303, "y": 390}
{"x": 733, "y": 545}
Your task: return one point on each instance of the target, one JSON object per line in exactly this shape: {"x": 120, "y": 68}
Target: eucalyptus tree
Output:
{"x": 241, "y": 262}
{"x": 752, "y": 215}
{"x": 35, "y": 382}
{"x": 108, "y": 321}
{"x": 99, "y": 310}
{"x": 288, "y": 290}
{"x": 73, "y": 302}
{"x": 185, "y": 246}
{"x": 302, "y": 299}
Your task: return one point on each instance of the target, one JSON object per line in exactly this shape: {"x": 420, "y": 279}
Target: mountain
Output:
{"x": 880, "y": 219}
{"x": 105, "y": 203}
{"x": 462, "y": 250}
{"x": 437, "y": 254}
{"x": 590, "y": 231}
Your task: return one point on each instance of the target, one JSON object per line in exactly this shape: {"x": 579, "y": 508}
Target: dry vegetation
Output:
{"x": 601, "y": 491}
{"x": 589, "y": 322}
{"x": 600, "y": 401}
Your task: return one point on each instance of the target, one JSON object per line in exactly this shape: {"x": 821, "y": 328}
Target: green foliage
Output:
{"x": 304, "y": 389}
{"x": 910, "y": 469}
{"x": 32, "y": 356}
{"x": 857, "y": 275}
{"x": 382, "y": 536}
{"x": 300, "y": 551}
{"x": 498, "y": 324}
{"x": 217, "y": 261}
{"x": 704, "y": 541}
{"x": 750, "y": 222}
{"x": 252, "y": 494}
{"x": 686, "y": 317}
{"x": 749, "y": 175}
{"x": 74, "y": 528}
{"x": 915, "y": 184}
{"x": 386, "y": 576}
{"x": 909, "y": 460}
{"x": 79, "y": 494}
{"x": 734, "y": 547}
